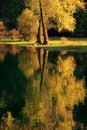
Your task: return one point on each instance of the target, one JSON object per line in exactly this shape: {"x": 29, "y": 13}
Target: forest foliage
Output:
{"x": 59, "y": 15}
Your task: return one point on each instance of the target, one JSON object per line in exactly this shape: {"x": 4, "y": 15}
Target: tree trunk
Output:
{"x": 45, "y": 35}
{"x": 43, "y": 70}
{"x": 40, "y": 53}
{"x": 39, "y": 35}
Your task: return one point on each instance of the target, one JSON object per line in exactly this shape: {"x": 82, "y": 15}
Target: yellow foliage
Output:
{"x": 26, "y": 64}
{"x": 61, "y": 10}
{"x": 61, "y": 92}
{"x": 67, "y": 92}
{"x": 28, "y": 24}
{"x": 69, "y": 88}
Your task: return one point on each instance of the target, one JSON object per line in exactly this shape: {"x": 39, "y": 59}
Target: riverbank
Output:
{"x": 60, "y": 44}
{"x": 63, "y": 41}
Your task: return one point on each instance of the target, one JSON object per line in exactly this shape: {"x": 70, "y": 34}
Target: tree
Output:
{"x": 81, "y": 26}
{"x": 28, "y": 24}
{"x": 10, "y": 10}
{"x": 58, "y": 13}
{"x": 61, "y": 11}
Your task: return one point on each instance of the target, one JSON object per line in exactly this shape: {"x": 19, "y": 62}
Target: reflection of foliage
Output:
{"x": 67, "y": 84}
{"x": 52, "y": 107}
{"x": 7, "y": 122}
{"x": 38, "y": 118}
{"x": 66, "y": 92}
{"x": 28, "y": 62}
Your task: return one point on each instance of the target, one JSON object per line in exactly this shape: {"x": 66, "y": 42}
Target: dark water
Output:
{"x": 46, "y": 89}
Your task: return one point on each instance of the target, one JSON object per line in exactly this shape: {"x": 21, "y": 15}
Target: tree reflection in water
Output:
{"x": 52, "y": 107}
{"x": 51, "y": 88}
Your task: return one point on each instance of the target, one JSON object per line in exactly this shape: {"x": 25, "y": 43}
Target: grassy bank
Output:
{"x": 52, "y": 41}
{"x": 78, "y": 44}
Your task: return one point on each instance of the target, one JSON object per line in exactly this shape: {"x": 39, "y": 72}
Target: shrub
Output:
{"x": 28, "y": 25}
{"x": 2, "y": 30}
{"x": 64, "y": 40}
{"x": 13, "y": 34}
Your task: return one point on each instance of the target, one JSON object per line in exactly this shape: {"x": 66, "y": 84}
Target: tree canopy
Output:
{"x": 61, "y": 11}
{"x": 58, "y": 14}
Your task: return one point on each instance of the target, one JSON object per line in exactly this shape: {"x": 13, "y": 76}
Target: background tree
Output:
{"x": 10, "y": 10}
{"x": 81, "y": 20}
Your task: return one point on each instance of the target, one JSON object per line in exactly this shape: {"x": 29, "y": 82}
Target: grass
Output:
{"x": 53, "y": 44}
{"x": 52, "y": 41}
{"x": 68, "y": 41}
{"x": 19, "y": 42}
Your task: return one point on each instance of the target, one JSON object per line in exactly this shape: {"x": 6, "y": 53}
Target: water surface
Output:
{"x": 45, "y": 88}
